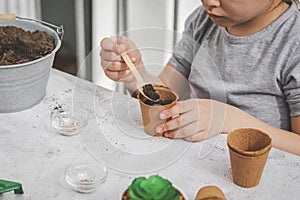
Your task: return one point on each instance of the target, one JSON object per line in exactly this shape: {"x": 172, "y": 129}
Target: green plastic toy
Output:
{"x": 6, "y": 186}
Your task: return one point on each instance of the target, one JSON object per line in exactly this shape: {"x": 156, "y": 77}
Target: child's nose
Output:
{"x": 211, "y": 3}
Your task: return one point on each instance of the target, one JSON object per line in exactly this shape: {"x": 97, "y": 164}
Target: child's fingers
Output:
{"x": 116, "y": 75}
{"x": 110, "y": 56}
{"x": 177, "y": 122}
{"x": 108, "y": 44}
{"x": 177, "y": 109}
{"x": 183, "y": 132}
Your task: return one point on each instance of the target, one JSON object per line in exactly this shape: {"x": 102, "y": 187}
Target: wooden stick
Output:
{"x": 139, "y": 79}
{"x": 131, "y": 66}
{"x": 7, "y": 16}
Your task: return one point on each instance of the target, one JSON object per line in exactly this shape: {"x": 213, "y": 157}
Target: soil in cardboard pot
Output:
{"x": 152, "y": 94}
{"x": 19, "y": 46}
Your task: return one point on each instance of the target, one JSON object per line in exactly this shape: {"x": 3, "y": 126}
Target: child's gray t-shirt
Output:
{"x": 259, "y": 73}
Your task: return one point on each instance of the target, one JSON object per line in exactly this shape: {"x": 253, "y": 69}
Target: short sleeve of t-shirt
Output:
{"x": 291, "y": 83}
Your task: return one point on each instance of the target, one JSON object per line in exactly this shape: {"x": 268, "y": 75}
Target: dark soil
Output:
{"x": 160, "y": 102}
{"x": 151, "y": 93}
{"x": 19, "y": 46}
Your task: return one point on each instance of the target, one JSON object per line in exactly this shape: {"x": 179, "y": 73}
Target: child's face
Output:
{"x": 236, "y": 12}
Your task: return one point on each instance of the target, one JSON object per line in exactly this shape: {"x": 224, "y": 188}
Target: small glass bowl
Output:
{"x": 67, "y": 121}
{"x": 85, "y": 177}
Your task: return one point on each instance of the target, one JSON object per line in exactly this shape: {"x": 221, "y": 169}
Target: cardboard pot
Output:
{"x": 248, "y": 150}
{"x": 150, "y": 113}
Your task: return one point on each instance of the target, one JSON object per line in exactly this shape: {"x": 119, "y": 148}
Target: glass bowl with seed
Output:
{"x": 68, "y": 121}
{"x": 85, "y": 177}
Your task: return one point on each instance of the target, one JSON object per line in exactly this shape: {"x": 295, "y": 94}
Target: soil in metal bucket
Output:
{"x": 19, "y": 46}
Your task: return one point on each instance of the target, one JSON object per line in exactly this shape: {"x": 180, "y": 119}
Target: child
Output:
{"x": 241, "y": 60}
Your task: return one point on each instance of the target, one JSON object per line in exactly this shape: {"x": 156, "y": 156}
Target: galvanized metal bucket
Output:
{"x": 23, "y": 86}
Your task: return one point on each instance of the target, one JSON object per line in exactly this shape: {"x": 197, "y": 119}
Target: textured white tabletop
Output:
{"x": 35, "y": 155}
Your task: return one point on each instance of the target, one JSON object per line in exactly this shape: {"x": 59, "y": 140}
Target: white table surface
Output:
{"x": 35, "y": 155}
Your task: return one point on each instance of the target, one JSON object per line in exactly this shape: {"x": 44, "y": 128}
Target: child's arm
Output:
{"x": 199, "y": 119}
{"x": 295, "y": 122}
{"x": 203, "y": 118}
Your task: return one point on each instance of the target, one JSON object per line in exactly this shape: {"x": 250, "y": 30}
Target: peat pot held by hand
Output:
{"x": 151, "y": 110}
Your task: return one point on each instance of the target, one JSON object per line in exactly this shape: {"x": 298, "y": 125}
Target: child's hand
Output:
{"x": 111, "y": 61}
{"x": 194, "y": 119}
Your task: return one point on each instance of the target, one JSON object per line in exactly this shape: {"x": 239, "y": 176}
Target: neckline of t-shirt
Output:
{"x": 266, "y": 31}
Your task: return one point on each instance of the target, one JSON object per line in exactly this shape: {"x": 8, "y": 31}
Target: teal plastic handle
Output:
{"x": 6, "y": 186}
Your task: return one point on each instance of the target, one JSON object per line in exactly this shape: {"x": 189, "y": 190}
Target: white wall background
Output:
{"x": 185, "y": 8}
{"x": 103, "y": 25}
{"x": 22, "y": 8}
{"x": 150, "y": 24}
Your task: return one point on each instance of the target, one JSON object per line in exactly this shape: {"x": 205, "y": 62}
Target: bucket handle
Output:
{"x": 59, "y": 30}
